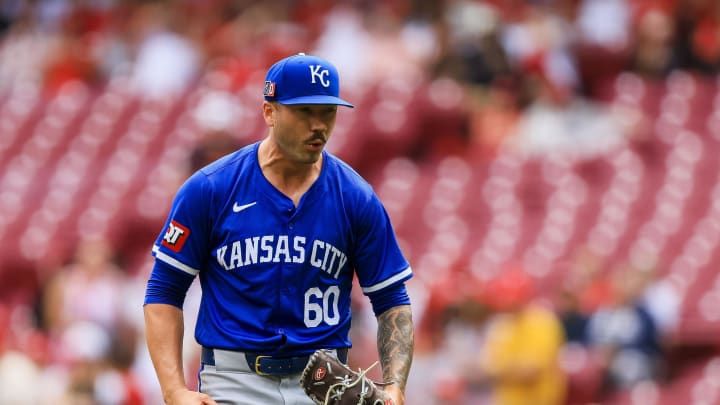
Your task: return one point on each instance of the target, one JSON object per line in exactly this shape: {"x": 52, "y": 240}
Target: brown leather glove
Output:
{"x": 327, "y": 381}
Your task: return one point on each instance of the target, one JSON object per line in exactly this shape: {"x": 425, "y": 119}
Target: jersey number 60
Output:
{"x": 321, "y": 307}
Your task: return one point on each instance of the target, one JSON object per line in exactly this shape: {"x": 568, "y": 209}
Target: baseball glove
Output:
{"x": 327, "y": 381}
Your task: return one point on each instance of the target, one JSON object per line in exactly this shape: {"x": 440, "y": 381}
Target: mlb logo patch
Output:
{"x": 269, "y": 89}
{"x": 175, "y": 236}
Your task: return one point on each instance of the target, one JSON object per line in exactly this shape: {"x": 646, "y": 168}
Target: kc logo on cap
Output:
{"x": 303, "y": 79}
{"x": 321, "y": 75}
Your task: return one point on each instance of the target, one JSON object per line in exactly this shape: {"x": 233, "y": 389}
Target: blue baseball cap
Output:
{"x": 303, "y": 79}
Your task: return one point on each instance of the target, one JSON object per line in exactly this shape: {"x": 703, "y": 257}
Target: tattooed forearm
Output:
{"x": 395, "y": 343}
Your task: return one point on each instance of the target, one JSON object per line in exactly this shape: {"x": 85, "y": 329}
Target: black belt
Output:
{"x": 270, "y": 365}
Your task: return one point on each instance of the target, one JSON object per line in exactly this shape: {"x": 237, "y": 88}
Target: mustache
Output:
{"x": 317, "y": 136}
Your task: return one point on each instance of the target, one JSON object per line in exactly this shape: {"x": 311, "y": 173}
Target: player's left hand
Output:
{"x": 327, "y": 380}
{"x": 395, "y": 393}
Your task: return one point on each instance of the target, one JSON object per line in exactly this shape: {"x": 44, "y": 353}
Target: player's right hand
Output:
{"x": 187, "y": 397}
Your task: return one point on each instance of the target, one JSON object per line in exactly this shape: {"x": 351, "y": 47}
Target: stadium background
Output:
{"x": 560, "y": 138}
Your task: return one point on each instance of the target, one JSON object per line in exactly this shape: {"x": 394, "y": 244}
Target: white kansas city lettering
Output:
{"x": 281, "y": 249}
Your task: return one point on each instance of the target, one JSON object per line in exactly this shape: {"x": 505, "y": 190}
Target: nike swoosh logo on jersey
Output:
{"x": 238, "y": 208}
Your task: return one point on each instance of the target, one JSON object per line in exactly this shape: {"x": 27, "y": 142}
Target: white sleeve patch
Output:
{"x": 174, "y": 262}
{"x": 391, "y": 280}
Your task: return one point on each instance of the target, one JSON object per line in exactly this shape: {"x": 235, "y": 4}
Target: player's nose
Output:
{"x": 317, "y": 123}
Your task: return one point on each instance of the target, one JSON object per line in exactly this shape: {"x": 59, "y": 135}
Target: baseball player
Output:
{"x": 275, "y": 232}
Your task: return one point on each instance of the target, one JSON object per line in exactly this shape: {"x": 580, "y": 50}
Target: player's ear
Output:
{"x": 269, "y": 113}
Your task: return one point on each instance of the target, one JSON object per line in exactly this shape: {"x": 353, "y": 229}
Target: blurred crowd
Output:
{"x": 531, "y": 72}
{"x": 597, "y": 334}
{"x": 524, "y": 64}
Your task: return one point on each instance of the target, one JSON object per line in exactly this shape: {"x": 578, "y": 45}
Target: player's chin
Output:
{"x": 309, "y": 157}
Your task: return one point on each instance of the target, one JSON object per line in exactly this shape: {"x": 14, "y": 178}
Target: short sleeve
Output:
{"x": 379, "y": 259}
{"x": 184, "y": 240}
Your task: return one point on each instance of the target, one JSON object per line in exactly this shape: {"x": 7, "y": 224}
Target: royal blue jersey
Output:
{"x": 276, "y": 278}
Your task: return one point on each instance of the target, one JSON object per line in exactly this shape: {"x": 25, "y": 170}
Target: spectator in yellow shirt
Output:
{"x": 519, "y": 357}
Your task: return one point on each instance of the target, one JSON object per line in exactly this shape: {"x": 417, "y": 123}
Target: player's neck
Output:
{"x": 290, "y": 178}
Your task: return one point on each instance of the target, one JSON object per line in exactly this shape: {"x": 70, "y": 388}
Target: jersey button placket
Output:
{"x": 291, "y": 218}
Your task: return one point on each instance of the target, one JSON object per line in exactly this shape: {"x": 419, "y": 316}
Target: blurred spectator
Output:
{"x": 241, "y": 38}
{"x": 90, "y": 288}
{"x": 84, "y": 346}
{"x": 453, "y": 370}
{"x": 345, "y": 40}
{"x": 23, "y": 51}
{"x": 625, "y": 334}
{"x": 438, "y": 303}
{"x": 699, "y": 35}
{"x": 211, "y": 147}
{"x": 464, "y": 332}
{"x": 116, "y": 384}
{"x": 69, "y": 57}
{"x": 18, "y": 378}
{"x": 520, "y": 355}
{"x": 495, "y": 112}
{"x": 223, "y": 124}
{"x": 574, "y": 320}
{"x": 663, "y": 301}
{"x": 471, "y": 50}
{"x": 560, "y": 121}
{"x": 452, "y": 327}
{"x": 605, "y": 23}
{"x": 586, "y": 285}
{"x": 399, "y": 48}
{"x": 658, "y": 295}
{"x": 604, "y": 39}
{"x": 10, "y": 10}
{"x": 585, "y": 288}
{"x": 538, "y": 45}
{"x": 91, "y": 342}
{"x": 165, "y": 61}
{"x": 653, "y": 53}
